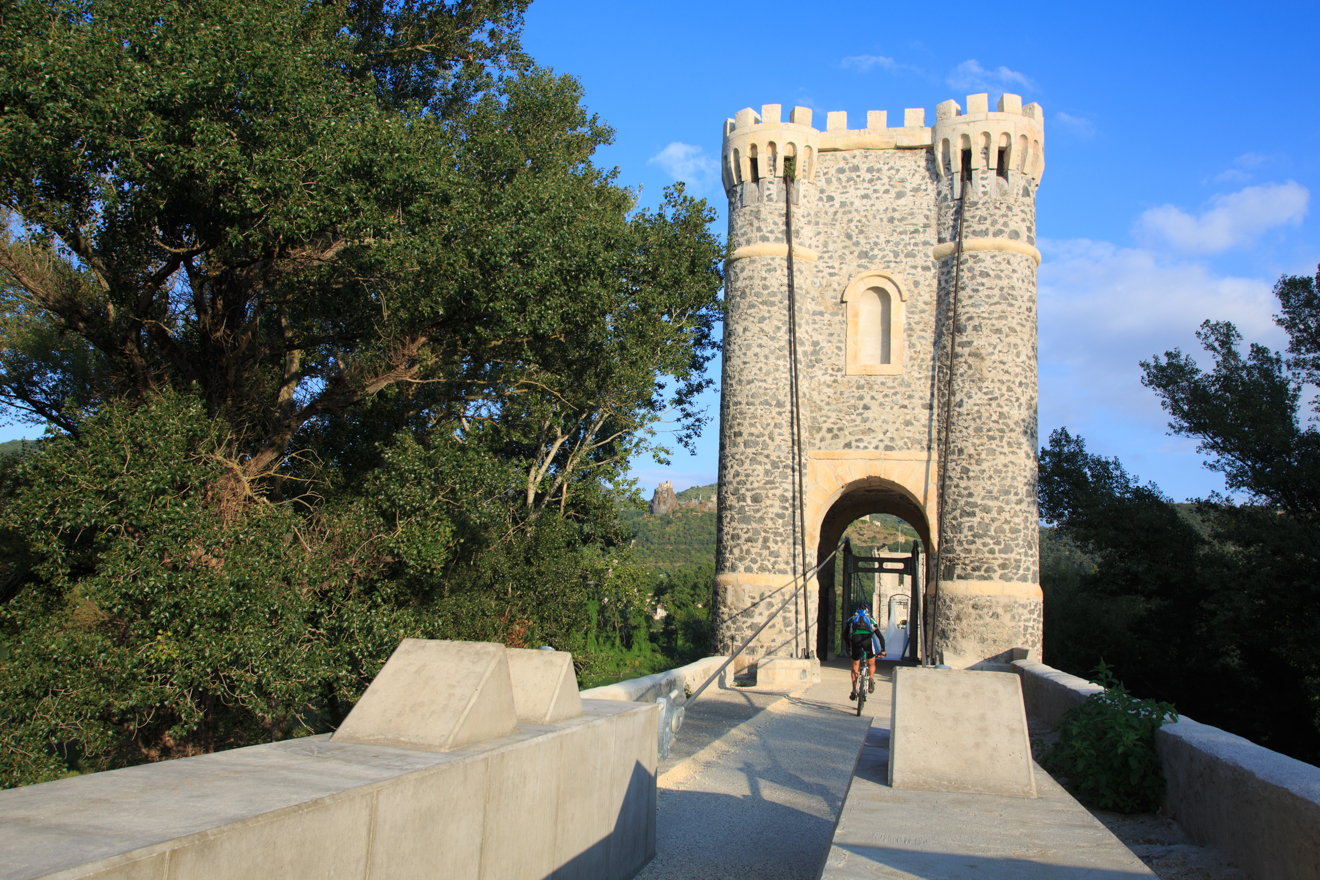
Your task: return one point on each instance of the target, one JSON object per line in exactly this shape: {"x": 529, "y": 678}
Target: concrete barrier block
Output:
{"x": 153, "y": 867}
{"x": 544, "y": 686}
{"x": 325, "y": 838}
{"x": 786, "y": 671}
{"x": 522, "y": 811}
{"x": 582, "y": 846}
{"x": 434, "y": 696}
{"x": 959, "y": 731}
{"x": 546, "y": 801}
{"x": 633, "y": 793}
{"x": 431, "y": 822}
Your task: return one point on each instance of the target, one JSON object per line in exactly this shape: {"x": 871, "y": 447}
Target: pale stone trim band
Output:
{"x": 748, "y": 581}
{"x": 990, "y": 588}
{"x": 830, "y": 144}
{"x": 871, "y": 454}
{"x": 773, "y": 249}
{"x": 987, "y": 244}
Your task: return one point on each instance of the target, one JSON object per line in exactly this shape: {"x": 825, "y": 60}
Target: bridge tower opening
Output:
{"x": 862, "y": 510}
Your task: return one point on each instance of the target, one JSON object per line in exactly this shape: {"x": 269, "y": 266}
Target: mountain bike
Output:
{"x": 863, "y": 684}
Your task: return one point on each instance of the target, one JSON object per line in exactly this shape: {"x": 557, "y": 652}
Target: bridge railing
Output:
{"x": 1258, "y": 807}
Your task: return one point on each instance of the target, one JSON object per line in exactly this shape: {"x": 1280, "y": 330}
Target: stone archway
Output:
{"x": 861, "y": 496}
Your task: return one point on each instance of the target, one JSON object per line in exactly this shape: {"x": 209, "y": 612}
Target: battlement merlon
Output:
{"x": 766, "y": 138}
{"x": 1016, "y": 130}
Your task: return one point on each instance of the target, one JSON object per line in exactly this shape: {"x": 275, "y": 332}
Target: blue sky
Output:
{"x": 1182, "y": 154}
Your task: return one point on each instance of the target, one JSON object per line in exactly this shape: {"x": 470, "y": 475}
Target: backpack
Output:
{"x": 861, "y": 621}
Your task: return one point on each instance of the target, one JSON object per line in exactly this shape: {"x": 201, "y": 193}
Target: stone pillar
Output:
{"x": 755, "y": 520}
{"x": 988, "y": 598}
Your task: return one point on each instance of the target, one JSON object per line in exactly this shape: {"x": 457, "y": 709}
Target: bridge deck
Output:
{"x": 762, "y": 798}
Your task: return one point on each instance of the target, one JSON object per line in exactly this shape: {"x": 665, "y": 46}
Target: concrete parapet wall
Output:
{"x": 668, "y": 690}
{"x": 567, "y": 800}
{"x": 649, "y": 687}
{"x": 1048, "y": 693}
{"x": 1258, "y": 807}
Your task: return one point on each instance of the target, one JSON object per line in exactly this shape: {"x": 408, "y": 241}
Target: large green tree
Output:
{"x": 1212, "y": 606}
{"x": 289, "y": 208}
{"x": 342, "y": 337}
{"x": 1246, "y": 413}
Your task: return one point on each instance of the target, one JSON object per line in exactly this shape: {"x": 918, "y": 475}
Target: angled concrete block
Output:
{"x": 522, "y": 811}
{"x": 544, "y": 686}
{"x": 434, "y": 696}
{"x": 960, "y": 731}
{"x": 430, "y": 821}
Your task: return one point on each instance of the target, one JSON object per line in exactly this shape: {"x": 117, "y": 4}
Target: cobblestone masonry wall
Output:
{"x": 754, "y": 524}
{"x": 989, "y": 522}
{"x": 879, "y": 208}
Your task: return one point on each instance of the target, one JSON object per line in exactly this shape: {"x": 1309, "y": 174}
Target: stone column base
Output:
{"x": 784, "y": 671}
{"x": 975, "y": 628}
{"x": 742, "y": 603}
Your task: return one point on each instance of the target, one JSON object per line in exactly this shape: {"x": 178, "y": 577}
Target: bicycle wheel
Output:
{"x": 862, "y": 681}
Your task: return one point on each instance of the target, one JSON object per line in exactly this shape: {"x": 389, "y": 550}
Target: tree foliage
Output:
{"x": 1215, "y": 609}
{"x": 342, "y": 337}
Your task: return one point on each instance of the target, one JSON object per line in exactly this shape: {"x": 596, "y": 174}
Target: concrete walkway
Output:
{"x": 762, "y": 798}
{"x": 758, "y": 800}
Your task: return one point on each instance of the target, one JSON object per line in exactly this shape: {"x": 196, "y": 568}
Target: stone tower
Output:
{"x": 894, "y": 231}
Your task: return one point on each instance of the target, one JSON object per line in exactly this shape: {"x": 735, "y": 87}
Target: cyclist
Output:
{"x": 866, "y": 641}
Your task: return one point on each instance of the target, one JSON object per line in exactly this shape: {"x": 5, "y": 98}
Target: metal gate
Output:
{"x": 858, "y": 588}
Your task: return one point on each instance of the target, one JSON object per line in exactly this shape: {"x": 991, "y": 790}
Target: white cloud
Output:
{"x": 971, "y": 77}
{"x": 688, "y": 163}
{"x": 1076, "y": 125}
{"x": 1230, "y": 221}
{"x": 1103, "y": 309}
{"x": 1242, "y": 167}
{"x": 1232, "y": 175}
{"x": 864, "y": 63}
{"x": 1253, "y": 160}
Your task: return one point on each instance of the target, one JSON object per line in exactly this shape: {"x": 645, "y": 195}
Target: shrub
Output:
{"x": 1106, "y": 748}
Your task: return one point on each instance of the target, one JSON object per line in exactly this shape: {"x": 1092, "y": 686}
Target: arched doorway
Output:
{"x": 870, "y": 495}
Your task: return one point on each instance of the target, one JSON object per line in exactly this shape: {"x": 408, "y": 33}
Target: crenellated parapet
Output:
{"x": 981, "y": 141}
{"x": 756, "y": 145}
{"x": 976, "y": 142}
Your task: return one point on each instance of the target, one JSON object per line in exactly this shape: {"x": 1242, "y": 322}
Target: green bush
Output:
{"x": 1106, "y": 748}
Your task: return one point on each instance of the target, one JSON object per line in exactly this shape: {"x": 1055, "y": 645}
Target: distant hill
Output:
{"x": 685, "y": 538}
{"x": 881, "y": 531}
{"x": 680, "y": 540}
{"x": 14, "y": 446}
{"x": 699, "y": 494}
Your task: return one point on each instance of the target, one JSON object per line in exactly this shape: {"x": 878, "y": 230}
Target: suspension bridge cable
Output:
{"x": 799, "y": 548}
{"x": 705, "y": 684}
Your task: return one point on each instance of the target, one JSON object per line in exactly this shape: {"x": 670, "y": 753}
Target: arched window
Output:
{"x": 874, "y": 303}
